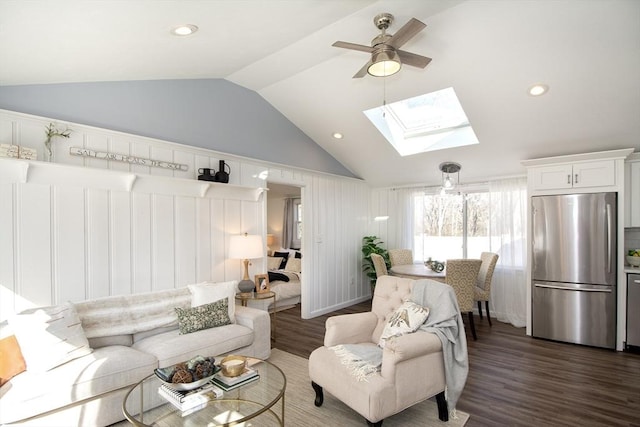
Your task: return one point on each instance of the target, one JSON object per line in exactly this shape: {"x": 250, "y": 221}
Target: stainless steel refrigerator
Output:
{"x": 574, "y": 268}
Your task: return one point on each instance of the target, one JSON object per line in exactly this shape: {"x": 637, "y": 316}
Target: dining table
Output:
{"x": 417, "y": 271}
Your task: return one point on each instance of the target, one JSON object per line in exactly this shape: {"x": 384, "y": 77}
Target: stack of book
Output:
{"x": 229, "y": 383}
{"x": 190, "y": 401}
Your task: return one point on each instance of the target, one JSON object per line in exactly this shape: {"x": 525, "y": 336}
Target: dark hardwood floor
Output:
{"x": 516, "y": 380}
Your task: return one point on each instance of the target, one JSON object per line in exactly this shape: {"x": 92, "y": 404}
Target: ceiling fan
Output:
{"x": 386, "y": 57}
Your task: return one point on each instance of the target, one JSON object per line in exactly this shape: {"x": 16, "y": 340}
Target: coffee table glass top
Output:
{"x": 255, "y": 401}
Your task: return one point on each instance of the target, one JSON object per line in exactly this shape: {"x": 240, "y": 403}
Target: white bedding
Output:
{"x": 286, "y": 290}
{"x": 287, "y": 293}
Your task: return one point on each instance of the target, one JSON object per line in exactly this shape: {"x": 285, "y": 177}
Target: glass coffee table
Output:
{"x": 253, "y": 404}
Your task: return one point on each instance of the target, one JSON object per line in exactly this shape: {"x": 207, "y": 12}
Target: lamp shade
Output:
{"x": 246, "y": 246}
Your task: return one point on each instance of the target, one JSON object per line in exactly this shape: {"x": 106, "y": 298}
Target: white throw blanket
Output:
{"x": 361, "y": 359}
{"x": 446, "y": 322}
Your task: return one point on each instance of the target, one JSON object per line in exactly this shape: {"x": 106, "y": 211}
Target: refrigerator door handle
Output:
{"x": 609, "y": 232}
{"x": 563, "y": 288}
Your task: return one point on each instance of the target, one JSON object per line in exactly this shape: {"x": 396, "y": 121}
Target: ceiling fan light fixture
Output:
{"x": 385, "y": 62}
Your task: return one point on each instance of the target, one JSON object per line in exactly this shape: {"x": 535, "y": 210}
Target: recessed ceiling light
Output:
{"x": 184, "y": 30}
{"x": 538, "y": 89}
{"x": 337, "y": 135}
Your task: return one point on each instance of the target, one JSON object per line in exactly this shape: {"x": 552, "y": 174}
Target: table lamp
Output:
{"x": 246, "y": 247}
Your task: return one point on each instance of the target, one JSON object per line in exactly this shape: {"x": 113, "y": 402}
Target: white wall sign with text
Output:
{"x": 85, "y": 152}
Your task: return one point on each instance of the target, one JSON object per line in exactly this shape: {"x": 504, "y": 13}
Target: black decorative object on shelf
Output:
{"x": 222, "y": 175}
{"x": 206, "y": 174}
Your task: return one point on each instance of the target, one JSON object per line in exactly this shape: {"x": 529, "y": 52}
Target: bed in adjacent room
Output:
{"x": 284, "y": 269}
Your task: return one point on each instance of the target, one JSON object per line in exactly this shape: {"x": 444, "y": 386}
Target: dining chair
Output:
{"x": 482, "y": 290}
{"x": 400, "y": 256}
{"x": 379, "y": 265}
{"x": 462, "y": 275}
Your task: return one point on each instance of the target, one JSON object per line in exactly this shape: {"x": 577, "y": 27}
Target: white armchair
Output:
{"x": 412, "y": 367}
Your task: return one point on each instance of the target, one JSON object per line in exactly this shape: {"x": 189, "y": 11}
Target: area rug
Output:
{"x": 300, "y": 410}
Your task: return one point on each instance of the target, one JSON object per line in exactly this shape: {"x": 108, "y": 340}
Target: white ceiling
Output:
{"x": 490, "y": 52}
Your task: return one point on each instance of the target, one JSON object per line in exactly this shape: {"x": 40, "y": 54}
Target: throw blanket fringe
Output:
{"x": 361, "y": 360}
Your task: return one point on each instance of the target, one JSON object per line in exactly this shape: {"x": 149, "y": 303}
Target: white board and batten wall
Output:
{"x": 82, "y": 228}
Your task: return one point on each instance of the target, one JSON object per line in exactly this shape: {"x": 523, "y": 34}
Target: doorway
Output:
{"x": 285, "y": 234}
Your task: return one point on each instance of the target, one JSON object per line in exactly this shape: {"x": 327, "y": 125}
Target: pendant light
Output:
{"x": 450, "y": 175}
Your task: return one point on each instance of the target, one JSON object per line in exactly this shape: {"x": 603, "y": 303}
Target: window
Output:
{"x": 429, "y": 122}
{"x": 452, "y": 225}
{"x": 292, "y": 225}
{"x": 298, "y": 221}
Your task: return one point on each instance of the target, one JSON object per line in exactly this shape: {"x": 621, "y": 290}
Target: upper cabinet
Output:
{"x": 577, "y": 173}
{"x": 632, "y": 191}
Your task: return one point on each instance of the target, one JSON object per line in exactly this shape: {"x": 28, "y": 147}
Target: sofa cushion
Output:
{"x": 104, "y": 370}
{"x": 56, "y": 328}
{"x": 98, "y": 342}
{"x": 203, "y": 317}
{"x": 130, "y": 314}
{"x": 208, "y": 292}
{"x": 171, "y": 347}
{"x": 11, "y": 361}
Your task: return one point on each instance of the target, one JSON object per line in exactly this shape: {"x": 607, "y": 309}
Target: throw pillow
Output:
{"x": 294, "y": 264}
{"x": 274, "y": 262}
{"x": 298, "y": 254}
{"x": 50, "y": 336}
{"x": 284, "y": 256}
{"x": 406, "y": 319}
{"x": 11, "y": 360}
{"x": 203, "y": 317}
{"x": 208, "y": 292}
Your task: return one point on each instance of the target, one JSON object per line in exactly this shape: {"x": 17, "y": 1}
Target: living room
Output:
{"x": 118, "y": 228}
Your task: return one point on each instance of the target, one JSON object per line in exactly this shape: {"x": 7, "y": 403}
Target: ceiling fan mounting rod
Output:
{"x": 383, "y": 21}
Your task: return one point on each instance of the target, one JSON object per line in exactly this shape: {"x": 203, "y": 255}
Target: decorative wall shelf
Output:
{"x": 35, "y": 172}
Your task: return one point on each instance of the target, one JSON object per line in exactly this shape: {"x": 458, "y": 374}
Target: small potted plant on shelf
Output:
{"x": 371, "y": 245}
{"x": 52, "y": 132}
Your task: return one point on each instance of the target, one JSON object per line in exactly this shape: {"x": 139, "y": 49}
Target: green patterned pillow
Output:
{"x": 203, "y": 316}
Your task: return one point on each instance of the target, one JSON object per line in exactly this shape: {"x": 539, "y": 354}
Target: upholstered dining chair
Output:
{"x": 462, "y": 275}
{"x": 400, "y": 256}
{"x": 379, "y": 265}
{"x": 482, "y": 290}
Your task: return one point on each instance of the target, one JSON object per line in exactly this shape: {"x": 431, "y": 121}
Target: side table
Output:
{"x": 246, "y": 296}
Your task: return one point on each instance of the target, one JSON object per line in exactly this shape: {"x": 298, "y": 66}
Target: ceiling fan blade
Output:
{"x": 405, "y": 33}
{"x": 412, "y": 59}
{"x": 363, "y": 71}
{"x": 353, "y": 46}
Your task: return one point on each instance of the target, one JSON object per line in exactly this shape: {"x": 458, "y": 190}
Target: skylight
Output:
{"x": 429, "y": 122}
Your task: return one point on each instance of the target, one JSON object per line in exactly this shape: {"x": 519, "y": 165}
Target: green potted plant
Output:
{"x": 371, "y": 245}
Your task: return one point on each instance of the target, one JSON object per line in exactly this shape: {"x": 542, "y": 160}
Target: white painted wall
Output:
{"x": 69, "y": 236}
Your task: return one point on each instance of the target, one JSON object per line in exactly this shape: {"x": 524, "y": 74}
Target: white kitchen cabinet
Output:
{"x": 577, "y": 175}
{"x": 632, "y": 190}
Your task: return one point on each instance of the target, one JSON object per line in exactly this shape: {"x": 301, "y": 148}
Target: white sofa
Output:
{"x": 129, "y": 336}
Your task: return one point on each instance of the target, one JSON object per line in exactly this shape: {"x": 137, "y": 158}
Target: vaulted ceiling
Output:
{"x": 490, "y": 52}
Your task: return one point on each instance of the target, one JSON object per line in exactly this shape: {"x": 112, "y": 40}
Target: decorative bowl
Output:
{"x": 166, "y": 375}
{"x": 188, "y": 386}
{"x": 633, "y": 260}
{"x": 232, "y": 366}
